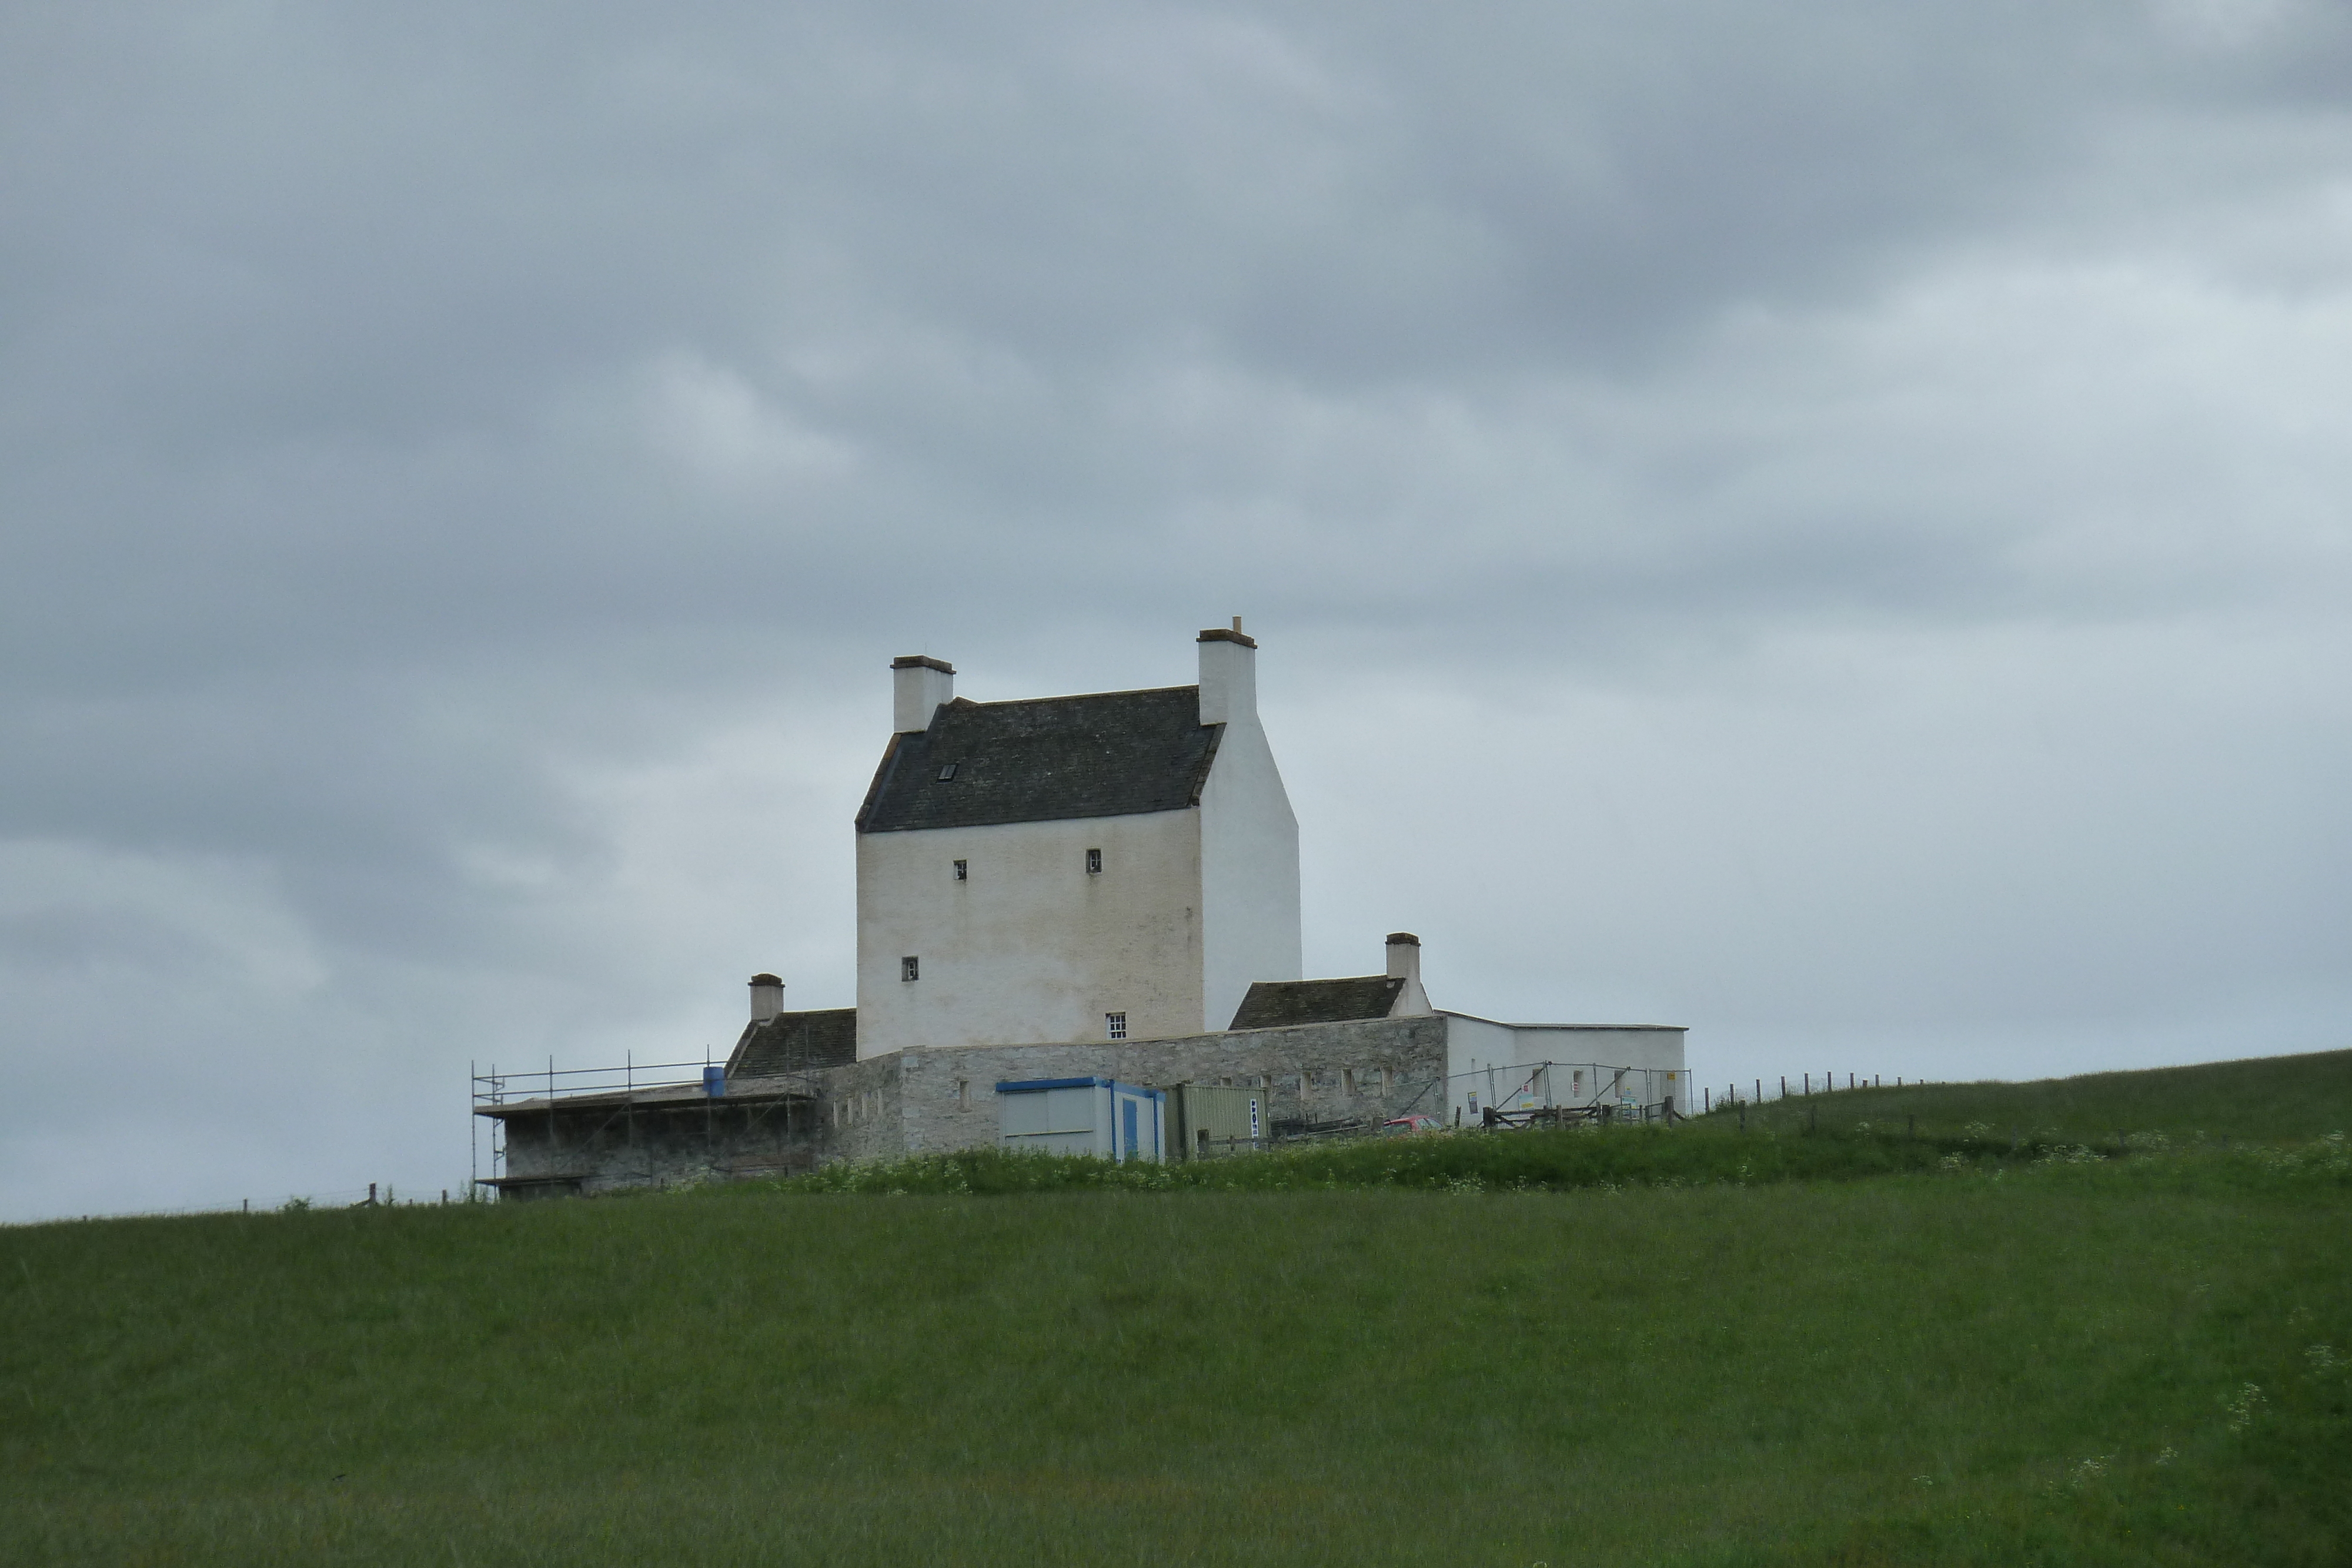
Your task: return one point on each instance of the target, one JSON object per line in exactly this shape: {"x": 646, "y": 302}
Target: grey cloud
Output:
{"x": 460, "y": 473}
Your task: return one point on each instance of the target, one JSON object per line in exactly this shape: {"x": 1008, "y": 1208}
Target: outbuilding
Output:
{"x": 1099, "y": 1116}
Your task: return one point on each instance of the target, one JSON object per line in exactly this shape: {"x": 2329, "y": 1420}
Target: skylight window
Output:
{"x": 947, "y": 772}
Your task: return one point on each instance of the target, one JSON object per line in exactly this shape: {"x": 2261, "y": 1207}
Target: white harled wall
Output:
{"x": 1031, "y": 947}
{"x": 1190, "y": 908}
{"x": 1491, "y": 1063}
{"x": 1249, "y": 874}
{"x": 1249, "y": 839}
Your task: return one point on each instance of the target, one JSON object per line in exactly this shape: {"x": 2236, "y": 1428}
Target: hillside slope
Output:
{"x": 2262, "y": 1098}
{"x": 1981, "y": 1368}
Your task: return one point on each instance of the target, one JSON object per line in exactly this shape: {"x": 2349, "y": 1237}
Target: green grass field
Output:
{"x": 1565, "y": 1348}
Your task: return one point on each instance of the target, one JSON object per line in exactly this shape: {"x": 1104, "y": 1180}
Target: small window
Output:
{"x": 1374, "y": 1079}
{"x": 947, "y": 772}
{"x": 1094, "y": 862}
{"x": 963, "y": 1094}
{"x": 1347, "y": 1079}
{"x": 910, "y": 968}
{"x": 963, "y": 870}
{"x": 1114, "y": 1024}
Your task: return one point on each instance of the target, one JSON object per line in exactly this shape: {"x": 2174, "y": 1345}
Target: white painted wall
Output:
{"x": 1249, "y": 843}
{"x": 1490, "y": 1064}
{"x": 1030, "y": 948}
{"x": 1190, "y": 907}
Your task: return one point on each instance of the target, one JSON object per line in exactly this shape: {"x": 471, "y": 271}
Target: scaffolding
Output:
{"x": 598, "y": 1099}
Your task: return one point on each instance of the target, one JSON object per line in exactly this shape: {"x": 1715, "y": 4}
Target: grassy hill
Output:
{"x": 2265, "y": 1099}
{"x": 2014, "y": 1357}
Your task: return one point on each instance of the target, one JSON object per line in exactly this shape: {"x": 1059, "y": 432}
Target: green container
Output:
{"x": 1211, "y": 1119}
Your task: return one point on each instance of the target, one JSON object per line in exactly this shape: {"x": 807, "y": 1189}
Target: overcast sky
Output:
{"x": 1826, "y": 524}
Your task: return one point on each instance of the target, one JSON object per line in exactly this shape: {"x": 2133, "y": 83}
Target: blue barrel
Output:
{"x": 714, "y": 1081}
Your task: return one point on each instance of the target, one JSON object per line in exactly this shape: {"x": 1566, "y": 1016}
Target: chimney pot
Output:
{"x": 1405, "y": 963}
{"x": 918, "y": 685}
{"x": 1228, "y": 676}
{"x": 767, "y": 997}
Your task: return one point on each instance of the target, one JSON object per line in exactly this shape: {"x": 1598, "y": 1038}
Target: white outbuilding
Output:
{"x": 1099, "y": 1116}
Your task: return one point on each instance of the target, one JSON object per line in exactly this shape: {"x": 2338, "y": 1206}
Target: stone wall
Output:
{"x": 1368, "y": 1069}
{"x": 591, "y": 1146}
{"x": 930, "y": 1101}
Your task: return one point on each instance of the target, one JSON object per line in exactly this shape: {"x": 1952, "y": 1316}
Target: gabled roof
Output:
{"x": 797, "y": 1043}
{"x": 1276, "y": 1004}
{"x": 1112, "y": 754}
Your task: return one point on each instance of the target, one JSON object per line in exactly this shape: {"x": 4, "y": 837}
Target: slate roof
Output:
{"x": 797, "y": 1043}
{"x": 1276, "y": 1004}
{"x": 1111, "y": 754}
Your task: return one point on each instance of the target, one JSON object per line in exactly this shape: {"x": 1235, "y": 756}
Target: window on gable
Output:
{"x": 1114, "y": 1024}
{"x": 910, "y": 968}
{"x": 962, "y": 871}
{"x": 947, "y": 772}
{"x": 1094, "y": 862}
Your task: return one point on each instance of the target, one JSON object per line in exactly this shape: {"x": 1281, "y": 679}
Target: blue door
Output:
{"x": 1126, "y": 1123}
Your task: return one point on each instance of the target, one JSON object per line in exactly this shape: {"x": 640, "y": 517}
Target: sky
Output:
{"x": 1825, "y": 525}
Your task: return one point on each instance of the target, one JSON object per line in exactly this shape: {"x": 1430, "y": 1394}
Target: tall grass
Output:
{"x": 2018, "y": 1364}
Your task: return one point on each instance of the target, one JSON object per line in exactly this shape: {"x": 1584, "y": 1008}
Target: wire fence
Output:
{"x": 1765, "y": 1091}
{"x": 375, "y": 1195}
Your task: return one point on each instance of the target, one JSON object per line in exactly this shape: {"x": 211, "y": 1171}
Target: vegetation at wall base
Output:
{"x": 2034, "y": 1358}
{"x": 1591, "y": 1158}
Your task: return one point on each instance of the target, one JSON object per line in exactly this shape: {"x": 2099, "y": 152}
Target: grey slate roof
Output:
{"x": 797, "y": 1043}
{"x": 1276, "y": 1004}
{"x": 1047, "y": 759}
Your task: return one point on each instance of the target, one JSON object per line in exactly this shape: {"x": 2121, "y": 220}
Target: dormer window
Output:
{"x": 963, "y": 870}
{"x": 947, "y": 772}
{"x": 1094, "y": 862}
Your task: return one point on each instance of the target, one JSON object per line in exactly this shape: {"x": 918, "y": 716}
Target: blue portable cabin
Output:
{"x": 1099, "y": 1116}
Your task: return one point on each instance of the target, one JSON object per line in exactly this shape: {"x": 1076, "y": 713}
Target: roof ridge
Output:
{"x": 1075, "y": 696}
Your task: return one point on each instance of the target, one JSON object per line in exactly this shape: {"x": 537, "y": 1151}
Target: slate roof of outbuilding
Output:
{"x": 1278, "y": 1004}
{"x": 1110, "y": 754}
{"x": 796, "y": 1042}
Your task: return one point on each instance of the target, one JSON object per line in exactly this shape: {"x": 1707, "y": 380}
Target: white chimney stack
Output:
{"x": 1405, "y": 963}
{"x": 767, "y": 997}
{"x": 919, "y": 684}
{"x": 1228, "y": 676}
